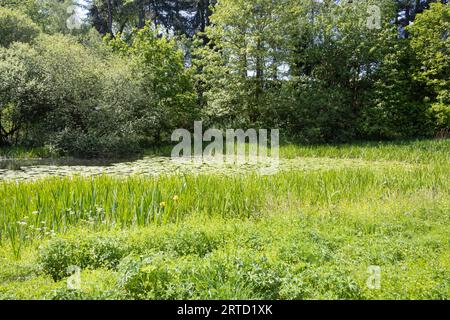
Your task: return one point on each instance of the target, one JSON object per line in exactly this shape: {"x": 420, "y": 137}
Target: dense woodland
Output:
{"x": 134, "y": 70}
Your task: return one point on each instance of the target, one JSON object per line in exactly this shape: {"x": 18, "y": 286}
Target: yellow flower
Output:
{"x": 175, "y": 198}
{"x": 162, "y": 204}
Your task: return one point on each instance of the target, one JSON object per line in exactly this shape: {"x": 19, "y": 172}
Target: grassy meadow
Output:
{"x": 307, "y": 232}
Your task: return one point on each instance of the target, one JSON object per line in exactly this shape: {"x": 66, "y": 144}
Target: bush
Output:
{"x": 92, "y": 144}
{"x": 321, "y": 283}
{"x": 23, "y": 92}
{"x": 89, "y": 102}
{"x": 221, "y": 274}
{"x": 440, "y": 112}
{"x": 146, "y": 278}
{"x": 60, "y": 254}
{"x": 56, "y": 257}
{"x": 60, "y": 94}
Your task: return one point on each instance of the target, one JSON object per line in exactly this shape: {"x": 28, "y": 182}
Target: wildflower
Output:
{"x": 35, "y": 212}
{"x": 175, "y": 198}
{"x": 162, "y": 204}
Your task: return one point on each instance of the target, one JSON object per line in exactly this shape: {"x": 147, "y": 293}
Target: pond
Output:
{"x": 151, "y": 166}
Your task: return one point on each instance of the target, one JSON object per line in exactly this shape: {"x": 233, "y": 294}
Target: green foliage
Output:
{"x": 83, "y": 120}
{"x": 50, "y": 15}
{"x": 314, "y": 69}
{"x": 223, "y": 274}
{"x": 164, "y": 84}
{"x": 430, "y": 41}
{"x": 59, "y": 255}
{"x": 62, "y": 94}
{"x": 23, "y": 91}
{"x": 53, "y": 16}
{"x": 57, "y": 258}
{"x": 40, "y": 208}
{"x": 441, "y": 113}
{"x": 16, "y": 27}
{"x": 414, "y": 152}
{"x": 318, "y": 71}
{"x": 313, "y": 238}
{"x": 393, "y": 107}
{"x": 24, "y": 153}
{"x": 235, "y": 81}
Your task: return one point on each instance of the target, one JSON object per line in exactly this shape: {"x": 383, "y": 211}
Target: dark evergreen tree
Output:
{"x": 181, "y": 16}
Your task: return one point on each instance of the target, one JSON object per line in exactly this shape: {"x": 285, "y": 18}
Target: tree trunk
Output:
{"x": 110, "y": 17}
{"x": 259, "y": 67}
{"x": 141, "y": 22}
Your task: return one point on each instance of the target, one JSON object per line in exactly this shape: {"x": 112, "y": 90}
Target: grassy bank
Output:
{"x": 411, "y": 151}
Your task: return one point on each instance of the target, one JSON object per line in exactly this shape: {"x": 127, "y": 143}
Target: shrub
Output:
{"x": 59, "y": 93}
{"x": 146, "y": 278}
{"x": 221, "y": 274}
{"x": 23, "y": 93}
{"x": 56, "y": 257}
{"x": 321, "y": 283}
{"x": 189, "y": 242}
{"x": 91, "y": 144}
{"x": 60, "y": 254}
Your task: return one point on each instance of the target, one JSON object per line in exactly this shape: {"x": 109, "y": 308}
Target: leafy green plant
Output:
{"x": 16, "y": 27}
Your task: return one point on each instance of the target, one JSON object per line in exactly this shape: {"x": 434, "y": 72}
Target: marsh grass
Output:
{"x": 298, "y": 234}
{"x": 415, "y": 151}
{"x": 38, "y": 209}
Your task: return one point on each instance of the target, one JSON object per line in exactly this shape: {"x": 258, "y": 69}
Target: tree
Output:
{"x": 89, "y": 92}
{"x": 165, "y": 84}
{"x": 22, "y": 92}
{"x": 59, "y": 93}
{"x": 408, "y": 9}
{"x": 180, "y": 16}
{"x": 306, "y": 66}
{"x": 50, "y": 15}
{"x": 239, "y": 64}
{"x": 393, "y": 107}
{"x": 430, "y": 40}
{"x": 16, "y": 27}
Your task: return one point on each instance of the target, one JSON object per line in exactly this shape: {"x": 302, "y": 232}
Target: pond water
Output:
{"x": 151, "y": 166}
